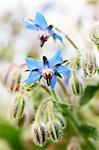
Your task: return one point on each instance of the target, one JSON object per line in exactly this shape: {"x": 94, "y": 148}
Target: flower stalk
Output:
{"x": 38, "y": 113}
{"x": 68, "y": 38}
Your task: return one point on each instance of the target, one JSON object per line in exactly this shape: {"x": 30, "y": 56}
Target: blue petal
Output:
{"x": 40, "y": 21}
{"x": 34, "y": 76}
{"x": 53, "y": 81}
{"x": 56, "y": 36}
{"x": 34, "y": 64}
{"x": 30, "y": 25}
{"x": 63, "y": 70}
{"x": 56, "y": 59}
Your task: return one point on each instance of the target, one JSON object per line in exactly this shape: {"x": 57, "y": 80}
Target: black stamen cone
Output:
{"x": 50, "y": 26}
{"x": 42, "y": 43}
{"x": 45, "y": 61}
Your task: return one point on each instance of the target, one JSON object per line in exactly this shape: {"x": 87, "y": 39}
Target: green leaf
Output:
{"x": 88, "y": 93}
{"x": 89, "y": 131}
{"x": 11, "y": 135}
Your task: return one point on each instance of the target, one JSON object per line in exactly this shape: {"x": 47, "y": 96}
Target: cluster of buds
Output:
{"x": 47, "y": 130}
{"x": 76, "y": 84}
{"x": 94, "y": 34}
{"x": 41, "y": 132}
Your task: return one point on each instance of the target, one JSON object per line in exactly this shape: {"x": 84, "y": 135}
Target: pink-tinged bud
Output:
{"x": 12, "y": 78}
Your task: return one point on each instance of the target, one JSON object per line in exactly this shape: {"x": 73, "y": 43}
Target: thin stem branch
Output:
{"x": 68, "y": 38}
{"x": 38, "y": 113}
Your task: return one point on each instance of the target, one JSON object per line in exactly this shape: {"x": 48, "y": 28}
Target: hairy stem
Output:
{"x": 40, "y": 108}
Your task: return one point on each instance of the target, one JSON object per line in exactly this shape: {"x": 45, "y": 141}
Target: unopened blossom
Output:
{"x": 55, "y": 130}
{"x": 39, "y": 134}
{"x": 48, "y": 69}
{"x": 89, "y": 62}
{"x": 76, "y": 84}
{"x": 40, "y": 24}
{"x": 17, "y": 109}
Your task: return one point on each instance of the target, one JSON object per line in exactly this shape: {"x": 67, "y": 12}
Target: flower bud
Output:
{"x": 55, "y": 130}
{"x": 18, "y": 107}
{"x": 61, "y": 119}
{"x": 89, "y": 62}
{"x": 39, "y": 134}
{"x": 76, "y": 84}
{"x": 94, "y": 34}
{"x": 12, "y": 78}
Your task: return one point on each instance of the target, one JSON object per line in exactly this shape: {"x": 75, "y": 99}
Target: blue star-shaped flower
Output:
{"x": 40, "y": 24}
{"x": 48, "y": 69}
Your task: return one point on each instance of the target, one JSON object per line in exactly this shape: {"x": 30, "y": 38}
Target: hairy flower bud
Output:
{"x": 17, "y": 109}
{"x": 89, "y": 62}
{"x": 55, "y": 130}
{"x": 12, "y": 78}
{"x": 39, "y": 134}
{"x": 94, "y": 34}
{"x": 76, "y": 84}
{"x": 61, "y": 119}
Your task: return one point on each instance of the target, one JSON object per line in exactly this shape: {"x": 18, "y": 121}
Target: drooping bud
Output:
{"x": 94, "y": 34}
{"x": 61, "y": 119}
{"x": 76, "y": 84}
{"x": 89, "y": 62}
{"x": 55, "y": 130}
{"x": 39, "y": 134}
{"x": 17, "y": 109}
{"x": 12, "y": 78}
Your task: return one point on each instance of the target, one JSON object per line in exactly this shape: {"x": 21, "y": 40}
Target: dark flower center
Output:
{"x": 43, "y": 39}
{"x": 48, "y": 77}
{"x": 47, "y": 72}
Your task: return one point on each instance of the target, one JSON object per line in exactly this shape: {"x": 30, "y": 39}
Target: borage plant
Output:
{"x": 59, "y": 113}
